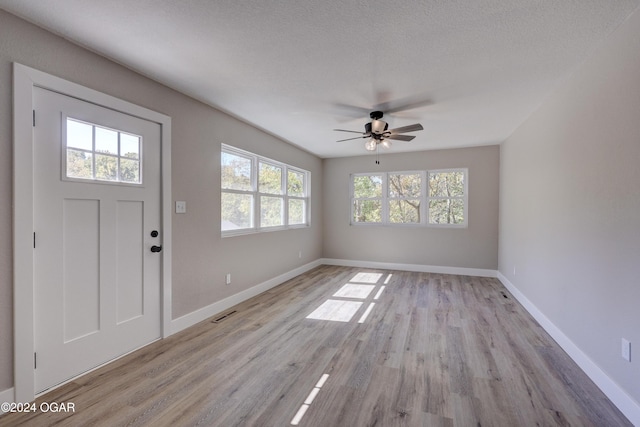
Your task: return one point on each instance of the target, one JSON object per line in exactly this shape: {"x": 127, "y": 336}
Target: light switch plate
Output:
{"x": 181, "y": 207}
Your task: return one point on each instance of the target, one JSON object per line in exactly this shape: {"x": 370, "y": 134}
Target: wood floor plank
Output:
{"x": 434, "y": 350}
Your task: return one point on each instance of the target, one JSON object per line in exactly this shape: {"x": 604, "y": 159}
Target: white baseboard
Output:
{"x": 7, "y": 395}
{"x": 481, "y": 272}
{"x": 197, "y": 316}
{"x": 194, "y": 317}
{"x": 627, "y": 405}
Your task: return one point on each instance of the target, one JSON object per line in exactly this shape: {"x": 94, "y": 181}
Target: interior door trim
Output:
{"x": 25, "y": 79}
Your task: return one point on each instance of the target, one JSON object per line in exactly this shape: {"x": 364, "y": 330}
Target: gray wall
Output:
{"x": 472, "y": 247}
{"x": 570, "y": 206}
{"x": 201, "y": 257}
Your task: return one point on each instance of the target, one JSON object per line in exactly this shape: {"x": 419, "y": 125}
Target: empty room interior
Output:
{"x": 347, "y": 213}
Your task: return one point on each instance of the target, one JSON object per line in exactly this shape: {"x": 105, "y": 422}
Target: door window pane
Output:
{"x": 79, "y": 135}
{"x": 79, "y": 164}
{"x": 106, "y": 141}
{"x": 96, "y": 153}
{"x": 129, "y": 170}
{"x": 106, "y": 167}
{"x": 130, "y": 146}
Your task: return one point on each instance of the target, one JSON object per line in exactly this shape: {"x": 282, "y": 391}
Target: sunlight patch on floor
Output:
{"x": 354, "y": 291}
{"x": 336, "y": 310}
{"x": 365, "y": 277}
{"x": 366, "y": 313}
{"x": 312, "y": 395}
{"x": 362, "y": 285}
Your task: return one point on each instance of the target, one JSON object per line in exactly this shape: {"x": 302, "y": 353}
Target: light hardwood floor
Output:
{"x": 435, "y": 350}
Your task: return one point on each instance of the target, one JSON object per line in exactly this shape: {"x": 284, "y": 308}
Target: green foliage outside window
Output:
{"x": 94, "y": 152}
{"x": 446, "y": 193}
{"x": 404, "y": 193}
{"x": 236, "y": 172}
{"x": 404, "y": 198}
{"x": 248, "y": 181}
{"x": 367, "y": 193}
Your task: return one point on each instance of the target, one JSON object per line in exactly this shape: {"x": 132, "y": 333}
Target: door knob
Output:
{"x": 156, "y": 248}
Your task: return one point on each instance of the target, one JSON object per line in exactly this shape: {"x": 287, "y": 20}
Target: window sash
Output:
{"x": 92, "y": 152}
{"x": 263, "y": 195}
{"x": 388, "y": 213}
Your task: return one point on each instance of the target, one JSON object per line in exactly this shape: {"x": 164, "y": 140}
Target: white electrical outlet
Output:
{"x": 228, "y": 279}
{"x": 181, "y": 207}
{"x": 626, "y": 350}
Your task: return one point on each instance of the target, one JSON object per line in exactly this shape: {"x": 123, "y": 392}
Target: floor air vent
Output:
{"x": 223, "y": 317}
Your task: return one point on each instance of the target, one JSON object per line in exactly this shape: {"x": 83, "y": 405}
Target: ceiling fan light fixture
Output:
{"x": 377, "y": 131}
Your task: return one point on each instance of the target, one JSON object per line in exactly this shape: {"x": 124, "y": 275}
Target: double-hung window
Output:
{"x": 404, "y": 197}
{"x": 260, "y": 194}
{"x": 433, "y": 198}
{"x": 448, "y": 197}
{"x": 367, "y": 198}
{"x": 270, "y": 189}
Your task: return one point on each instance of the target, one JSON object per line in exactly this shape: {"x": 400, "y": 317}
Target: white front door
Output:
{"x": 97, "y": 216}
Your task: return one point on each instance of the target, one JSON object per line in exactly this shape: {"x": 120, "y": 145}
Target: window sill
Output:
{"x": 247, "y": 231}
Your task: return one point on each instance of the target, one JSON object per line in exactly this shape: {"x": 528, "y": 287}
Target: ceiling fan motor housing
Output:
{"x": 376, "y": 127}
{"x": 376, "y": 115}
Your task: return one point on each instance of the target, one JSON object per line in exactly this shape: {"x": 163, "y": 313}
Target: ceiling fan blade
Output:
{"x": 406, "y": 138}
{"x": 351, "y": 111}
{"x": 404, "y": 129}
{"x": 352, "y": 131}
{"x": 404, "y": 104}
{"x": 349, "y": 139}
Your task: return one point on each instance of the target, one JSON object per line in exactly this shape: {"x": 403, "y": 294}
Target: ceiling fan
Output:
{"x": 378, "y": 132}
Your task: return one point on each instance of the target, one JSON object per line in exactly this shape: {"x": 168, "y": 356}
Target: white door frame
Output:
{"x": 24, "y": 81}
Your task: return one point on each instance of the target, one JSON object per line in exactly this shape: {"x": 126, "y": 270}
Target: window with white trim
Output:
{"x": 260, "y": 194}
{"x": 367, "y": 198}
{"x": 432, "y": 198}
{"x": 97, "y": 153}
{"x": 447, "y": 197}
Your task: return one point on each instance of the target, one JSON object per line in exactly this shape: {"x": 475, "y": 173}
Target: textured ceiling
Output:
{"x": 472, "y": 71}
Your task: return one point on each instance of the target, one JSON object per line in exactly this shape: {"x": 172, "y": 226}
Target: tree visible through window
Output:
{"x": 238, "y": 200}
{"x": 259, "y": 193}
{"x": 98, "y": 153}
{"x": 403, "y": 198}
{"x": 367, "y": 198}
{"x": 447, "y": 197}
